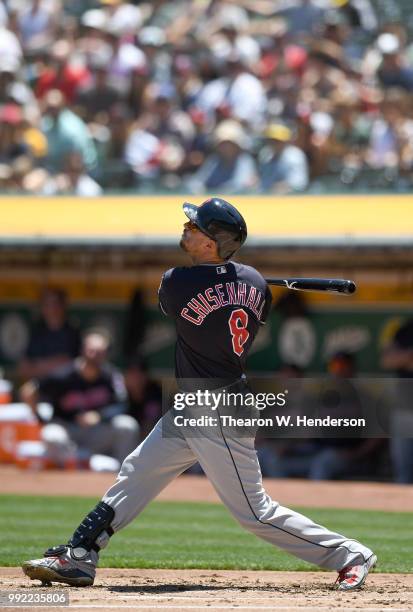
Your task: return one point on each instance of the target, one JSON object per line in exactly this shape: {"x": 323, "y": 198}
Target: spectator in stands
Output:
{"x": 230, "y": 168}
{"x": 238, "y": 93}
{"x": 304, "y": 17}
{"x": 126, "y": 58}
{"x": 89, "y": 406}
{"x": 98, "y": 96}
{"x": 65, "y": 133}
{"x": 143, "y": 154}
{"x": 12, "y": 144}
{"x": 387, "y": 133}
{"x": 11, "y": 52}
{"x": 115, "y": 168}
{"x": 282, "y": 457}
{"x": 134, "y": 326}
{"x": 135, "y": 97}
{"x": 123, "y": 17}
{"x": 398, "y": 357}
{"x": 254, "y": 62}
{"x": 144, "y": 396}
{"x": 326, "y": 458}
{"x": 151, "y": 40}
{"x": 54, "y": 340}
{"x": 61, "y": 73}
{"x": 283, "y": 167}
{"x": 335, "y": 457}
{"x": 37, "y": 24}
{"x": 231, "y": 36}
{"x": 8, "y": 75}
{"x": 350, "y": 136}
{"x": 164, "y": 118}
{"x": 359, "y": 14}
{"x": 3, "y": 14}
{"x": 159, "y": 149}
{"x": 73, "y": 180}
{"x": 393, "y": 70}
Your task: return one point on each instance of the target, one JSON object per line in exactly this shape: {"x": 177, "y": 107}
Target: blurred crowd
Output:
{"x": 245, "y": 96}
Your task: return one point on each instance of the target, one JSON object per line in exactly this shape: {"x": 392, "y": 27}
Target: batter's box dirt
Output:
{"x": 225, "y": 590}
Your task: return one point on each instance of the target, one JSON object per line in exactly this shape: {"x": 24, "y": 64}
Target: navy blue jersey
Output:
{"x": 217, "y": 309}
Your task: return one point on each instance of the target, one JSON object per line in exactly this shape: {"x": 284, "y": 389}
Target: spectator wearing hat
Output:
{"x": 230, "y": 168}
{"x": 152, "y": 41}
{"x": 283, "y": 167}
{"x": 253, "y": 61}
{"x": 126, "y": 57}
{"x": 231, "y": 24}
{"x": 94, "y": 23}
{"x": 123, "y": 18}
{"x": 393, "y": 70}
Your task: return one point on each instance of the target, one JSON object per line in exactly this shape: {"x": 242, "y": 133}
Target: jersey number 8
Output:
{"x": 238, "y": 322}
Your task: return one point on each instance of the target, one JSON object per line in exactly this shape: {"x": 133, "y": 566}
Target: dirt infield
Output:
{"x": 226, "y": 590}
{"x": 216, "y": 589}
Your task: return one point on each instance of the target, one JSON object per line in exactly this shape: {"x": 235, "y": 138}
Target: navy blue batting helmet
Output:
{"x": 221, "y": 222}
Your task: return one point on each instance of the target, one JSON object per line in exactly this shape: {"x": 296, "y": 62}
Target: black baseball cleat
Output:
{"x": 58, "y": 565}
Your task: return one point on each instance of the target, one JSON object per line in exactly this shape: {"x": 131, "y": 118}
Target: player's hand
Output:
{"x": 87, "y": 419}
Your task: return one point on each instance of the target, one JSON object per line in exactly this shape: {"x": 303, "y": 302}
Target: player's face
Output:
{"x": 193, "y": 241}
{"x": 190, "y": 237}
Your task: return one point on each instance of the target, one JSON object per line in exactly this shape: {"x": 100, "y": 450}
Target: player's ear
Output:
{"x": 212, "y": 247}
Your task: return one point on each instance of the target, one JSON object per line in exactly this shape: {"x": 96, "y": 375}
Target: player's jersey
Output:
{"x": 217, "y": 309}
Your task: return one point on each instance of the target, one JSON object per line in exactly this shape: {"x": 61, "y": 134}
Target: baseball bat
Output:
{"x": 336, "y": 285}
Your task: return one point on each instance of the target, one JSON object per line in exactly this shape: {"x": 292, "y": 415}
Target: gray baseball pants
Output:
{"x": 232, "y": 466}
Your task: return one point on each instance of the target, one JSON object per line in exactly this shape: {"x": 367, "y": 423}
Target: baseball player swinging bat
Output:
{"x": 217, "y": 306}
{"x": 330, "y": 285}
